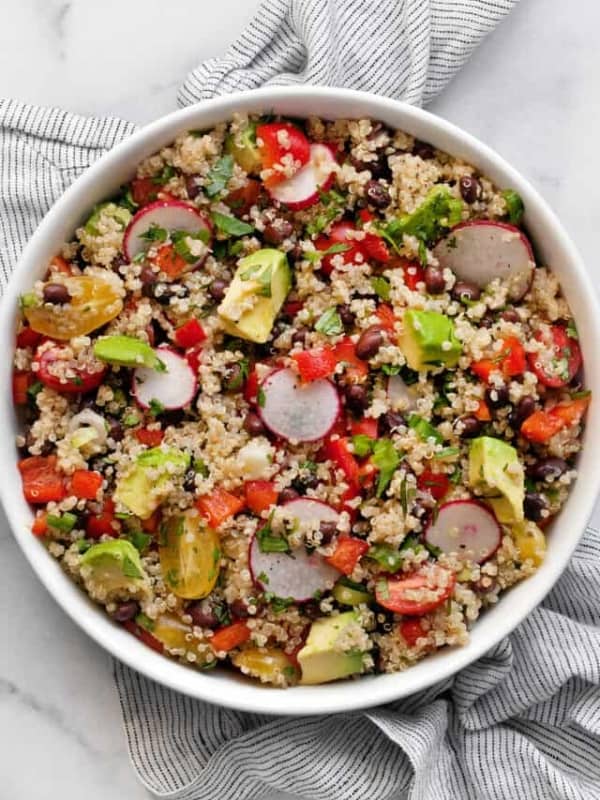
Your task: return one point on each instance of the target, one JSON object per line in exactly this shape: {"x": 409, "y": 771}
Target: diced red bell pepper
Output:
{"x": 564, "y": 362}
{"x": 355, "y": 368}
{"x": 364, "y": 427}
{"x": 386, "y": 317}
{"x": 151, "y": 438}
{"x": 143, "y": 635}
{"x": 277, "y": 142}
{"x": 338, "y": 451}
{"x": 42, "y": 481}
{"x": 251, "y": 388}
{"x": 366, "y": 473}
{"x": 412, "y": 271}
{"x": 144, "y": 191}
{"x": 21, "y": 382}
{"x": 194, "y": 357}
{"x": 218, "y": 506}
{"x": 103, "y": 524}
{"x": 292, "y": 307}
{"x": 482, "y": 412}
{"x": 320, "y": 362}
{"x": 340, "y": 233}
{"x": 348, "y": 552}
{"x": 436, "y": 483}
{"x": 85, "y": 484}
{"x": 510, "y": 361}
{"x": 541, "y": 426}
{"x": 39, "y": 526}
{"x": 168, "y": 260}
{"x": 27, "y": 337}
{"x": 394, "y": 593}
{"x": 230, "y": 637}
{"x": 60, "y": 264}
{"x": 571, "y": 412}
{"x": 190, "y": 334}
{"x": 411, "y": 630}
{"x": 375, "y": 249}
{"x": 241, "y": 200}
{"x": 260, "y": 495}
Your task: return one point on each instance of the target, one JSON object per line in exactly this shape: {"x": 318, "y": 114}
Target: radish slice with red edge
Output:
{"x": 170, "y": 215}
{"x": 465, "y": 528}
{"x": 482, "y": 251}
{"x": 303, "y": 189}
{"x": 401, "y": 396}
{"x": 174, "y": 388}
{"x": 301, "y": 412}
{"x": 298, "y": 574}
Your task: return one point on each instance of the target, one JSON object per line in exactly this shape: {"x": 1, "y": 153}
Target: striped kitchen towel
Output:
{"x": 524, "y": 721}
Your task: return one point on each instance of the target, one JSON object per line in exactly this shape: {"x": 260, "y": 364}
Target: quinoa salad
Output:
{"x": 299, "y": 400}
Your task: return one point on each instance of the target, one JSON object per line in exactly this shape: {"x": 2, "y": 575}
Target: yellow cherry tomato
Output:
{"x": 190, "y": 553}
{"x": 94, "y": 302}
{"x": 530, "y": 542}
{"x": 268, "y": 664}
{"x": 172, "y": 632}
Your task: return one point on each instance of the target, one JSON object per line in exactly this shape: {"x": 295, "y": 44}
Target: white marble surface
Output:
{"x": 531, "y": 92}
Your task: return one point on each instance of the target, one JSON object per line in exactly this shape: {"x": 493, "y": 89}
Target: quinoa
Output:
{"x": 213, "y": 531}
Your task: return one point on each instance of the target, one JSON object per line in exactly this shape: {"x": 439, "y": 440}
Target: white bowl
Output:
{"x": 554, "y": 248}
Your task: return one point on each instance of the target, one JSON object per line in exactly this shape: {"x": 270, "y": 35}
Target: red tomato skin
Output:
{"x": 364, "y": 427}
{"x": 251, "y": 388}
{"x": 411, "y": 630}
{"x": 356, "y": 369}
{"x": 385, "y": 315}
{"x": 314, "y": 364}
{"x": 84, "y": 381}
{"x": 272, "y": 150}
{"x": 392, "y": 597}
{"x": 347, "y": 554}
{"x": 338, "y": 234}
{"x": 27, "y": 337}
{"x": 42, "y": 482}
{"x": 144, "y": 191}
{"x": 218, "y": 506}
{"x": 337, "y": 450}
{"x": 260, "y": 495}
{"x": 151, "y": 438}
{"x": 85, "y": 484}
{"x": 436, "y": 483}
{"x": 566, "y": 349}
{"x": 229, "y": 637}
{"x": 190, "y": 334}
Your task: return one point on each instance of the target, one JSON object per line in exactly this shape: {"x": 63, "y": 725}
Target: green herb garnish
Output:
{"x": 219, "y": 176}
{"x": 424, "y": 430}
{"x": 386, "y": 459}
{"x": 232, "y": 226}
{"x": 63, "y": 522}
{"x": 381, "y": 287}
{"x": 514, "y": 206}
{"x": 330, "y": 323}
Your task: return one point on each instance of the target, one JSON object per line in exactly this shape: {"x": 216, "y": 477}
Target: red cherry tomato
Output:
{"x": 277, "y": 141}
{"x": 559, "y": 361}
{"x": 58, "y": 371}
{"x": 320, "y": 362}
{"x": 411, "y": 631}
{"x": 144, "y": 191}
{"x": 396, "y": 593}
{"x": 436, "y": 483}
{"x": 42, "y": 481}
{"x": 340, "y": 233}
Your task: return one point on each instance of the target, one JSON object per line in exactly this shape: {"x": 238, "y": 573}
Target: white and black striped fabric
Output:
{"x": 524, "y": 721}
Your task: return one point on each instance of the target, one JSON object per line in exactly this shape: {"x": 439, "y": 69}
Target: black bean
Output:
{"x": 126, "y": 611}
{"x": 377, "y": 194}
{"x": 56, "y": 293}
{"x": 302, "y": 483}
{"x": 471, "y": 426}
{"x": 510, "y": 315}
{"x": 311, "y": 610}
{"x": 239, "y": 609}
{"x": 115, "y": 430}
{"x": 496, "y": 396}
{"x": 327, "y": 529}
{"x": 253, "y": 424}
{"x": 287, "y": 494}
{"x": 379, "y": 167}
{"x": 346, "y": 315}
{"x": 466, "y": 292}
{"x": 217, "y": 289}
{"x": 434, "y": 280}
{"x": 423, "y": 149}
{"x": 369, "y": 343}
{"x": 203, "y": 614}
{"x": 277, "y": 231}
{"x": 299, "y": 336}
{"x": 547, "y": 469}
{"x": 533, "y": 506}
{"x": 189, "y": 481}
{"x": 470, "y": 188}
{"x": 390, "y": 422}
{"x": 191, "y": 186}
{"x": 524, "y": 408}
{"x": 234, "y": 378}
{"x": 357, "y": 398}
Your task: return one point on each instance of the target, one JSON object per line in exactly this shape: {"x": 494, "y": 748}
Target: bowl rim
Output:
{"x": 222, "y": 689}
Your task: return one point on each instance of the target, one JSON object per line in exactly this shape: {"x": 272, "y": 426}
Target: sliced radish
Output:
{"x": 302, "y": 412}
{"x": 466, "y": 528}
{"x": 297, "y": 574}
{"x": 174, "y": 388}
{"x": 170, "y": 215}
{"x": 401, "y": 396}
{"x": 481, "y": 251}
{"x": 302, "y": 190}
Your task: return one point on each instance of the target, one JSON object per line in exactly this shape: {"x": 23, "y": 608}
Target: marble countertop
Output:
{"x": 531, "y": 92}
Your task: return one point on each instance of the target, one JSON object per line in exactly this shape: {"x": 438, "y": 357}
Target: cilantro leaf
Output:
{"x": 219, "y": 176}
{"x": 363, "y": 445}
{"x": 438, "y": 212}
{"x": 155, "y": 234}
{"x": 232, "y": 226}
{"x": 381, "y": 287}
{"x": 330, "y": 323}
{"x": 387, "y": 459}
{"x": 514, "y": 206}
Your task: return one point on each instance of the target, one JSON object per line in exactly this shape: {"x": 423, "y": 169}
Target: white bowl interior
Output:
{"x": 554, "y": 248}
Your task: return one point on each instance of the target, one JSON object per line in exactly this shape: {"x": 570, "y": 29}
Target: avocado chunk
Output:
{"x": 348, "y": 593}
{"x": 428, "y": 340}
{"x": 127, "y": 351}
{"x": 255, "y": 295}
{"x": 113, "y": 569}
{"x": 242, "y": 146}
{"x": 119, "y": 214}
{"x": 495, "y": 469}
{"x": 323, "y": 658}
{"x": 145, "y": 486}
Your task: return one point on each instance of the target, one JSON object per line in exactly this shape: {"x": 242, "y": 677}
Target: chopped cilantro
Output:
{"x": 424, "y": 430}
{"x": 140, "y": 540}
{"x": 200, "y": 467}
{"x": 34, "y": 390}
{"x": 219, "y": 176}
{"x": 131, "y": 419}
{"x": 268, "y": 543}
{"x": 164, "y": 176}
{"x": 447, "y": 452}
{"x": 363, "y": 445}
{"x": 231, "y": 225}
{"x": 155, "y": 234}
{"x": 438, "y": 212}
{"x": 317, "y": 255}
{"x": 381, "y": 287}
{"x": 386, "y": 459}
{"x": 181, "y": 246}
{"x": 391, "y": 369}
{"x": 63, "y": 522}
{"x": 572, "y": 330}
{"x": 514, "y": 206}
{"x": 387, "y": 557}
{"x": 262, "y": 577}
{"x": 330, "y": 323}
{"x": 144, "y": 622}
{"x": 156, "y": 407}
